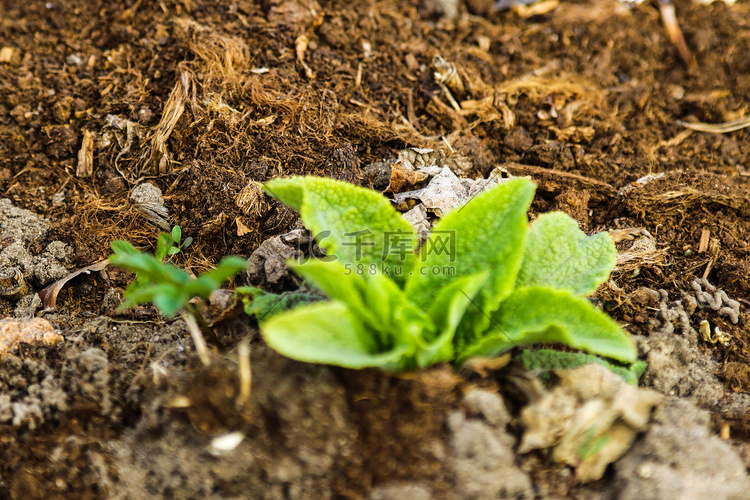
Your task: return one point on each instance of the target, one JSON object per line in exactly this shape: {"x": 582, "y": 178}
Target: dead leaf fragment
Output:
{"x": 574, "y": 134}
{"x": 669, "y": 17}
{"x": 589, "y": 420}
{"x": 242, "y": 229}
{"x": 300, "y": 47}
{"x": 183, "y": 93}
{"x": 49, "y": 294}
{"x": 403, "y": 179}
{"x": 536, "y": 8}
{"x": 717, "y": 128}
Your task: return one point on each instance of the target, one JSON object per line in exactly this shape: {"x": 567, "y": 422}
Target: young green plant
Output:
{"x": 166, "y": 286}
{"x": 485, "y": 281}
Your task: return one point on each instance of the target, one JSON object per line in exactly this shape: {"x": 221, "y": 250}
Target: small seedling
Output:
{"x": 168, "y": 244}
{"x": 484, "y": 282}
{"x": 169, "y": 288}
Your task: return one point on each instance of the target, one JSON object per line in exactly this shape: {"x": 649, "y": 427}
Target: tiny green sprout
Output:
{"x": 168, "y": 244}
{"x": 168, "y": 287}
{"x": 484, "y": 282}
{"x": 592, "y": 444}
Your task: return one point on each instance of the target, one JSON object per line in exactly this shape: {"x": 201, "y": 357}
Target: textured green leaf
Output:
{"x": 541, "y": 315}
{"x": 324, "y": 333}
{"x": 543, "y": 361}
{"x": 446, "y": 313}
{"x": 489, "y": 233}
{"x": 149, "y": 269}
{"x": 339, "y": 283}
{"x": 375, "y": 299}
{"x": 466, "y": 277}
{"x": 559, "y": 255}
{"x": 357, "y": 225}
{"x": 121, "y": 247}
{"x": 163, "y": 245}
{"x": 265, "y": 305}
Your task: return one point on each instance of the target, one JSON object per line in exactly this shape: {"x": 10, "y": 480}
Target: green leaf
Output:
{"x": 541, "y": 315}
{"x": 543, "y": 361}
{"x": 163, "y": 245}
{"x": 212, "y": 280}
{"x": 169, "y": 299}
{"x": 439, "y": 307}
{"x": 176, "y": 234}
{"x": 149, "y": 269}
{"x": 165, "y": 297}
{"x": 446, "y": 313}
{"x": 324, "y": 333}
{"x": 357, "y": 225}
{"x": 265, "y": 305}
{"x": 488, "y": 233}
{"x": 375, "y": 299}
{"x": 168, "y": 287}
{"x": 173, "y": 251}
{"x": 121, "y": 247}
{"x": 228, "y": 267}
{"x": 339, "y": 283}
{"x": 397, "y": 320}
{"x": 559, "y": 255}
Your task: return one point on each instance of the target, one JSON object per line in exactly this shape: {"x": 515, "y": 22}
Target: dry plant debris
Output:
{"x": 641, "y": 252}
{"x": 148, "y": 200}
{"x": 589, "y": 419}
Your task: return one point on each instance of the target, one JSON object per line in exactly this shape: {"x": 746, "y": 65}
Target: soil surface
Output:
{"x": 205, "y": 100}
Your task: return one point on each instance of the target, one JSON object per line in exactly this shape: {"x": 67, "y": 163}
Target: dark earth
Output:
{"x": 207, "y": 99}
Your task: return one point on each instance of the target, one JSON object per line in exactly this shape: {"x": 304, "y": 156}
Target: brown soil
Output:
{"x": 204, "y": 98}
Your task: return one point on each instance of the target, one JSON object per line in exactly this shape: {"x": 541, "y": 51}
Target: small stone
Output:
{"x": 8, "y": 55}
{"x": 29, "y": 331}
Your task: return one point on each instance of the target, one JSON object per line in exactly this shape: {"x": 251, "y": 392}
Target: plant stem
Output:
{"x": 208, "y": 332}
{"x": 198, "y": 340}
{"x": 246, "y": 377}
